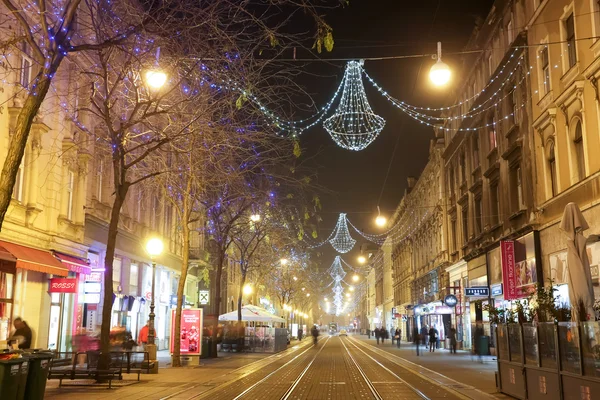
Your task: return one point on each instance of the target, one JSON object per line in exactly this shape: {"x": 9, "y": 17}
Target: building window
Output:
{"x": 465, "y": 223}
{"x": 70, "y": 185}
{"x": 516, "y": 184}
{"x": 463, "y": 168}
{"x": 570, "y": 39}
{"x": 453, "y": 232}
{"x": 515, "y": 106}
{"x": 545, "y": 69}
{"x": 596, "y": 17}
{"x": 579, "y": 153}
{"x": 510, "y": 32}
{"x": 478, "y": 222}
{"x": 491, "y": 123}
{"x": 451, "y": 178}
{"x": 100, "y": 181}
{"x": 552, "y": 169}
{"x": 17, "y": 192}
{"x": 476, "y": 151}
{"x": 25, "y": 71}
{"x": 494, "y": 204}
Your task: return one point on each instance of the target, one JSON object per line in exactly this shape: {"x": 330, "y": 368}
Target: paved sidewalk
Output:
{"x": 168, "y": 383}
{"x": 461, "y": 367}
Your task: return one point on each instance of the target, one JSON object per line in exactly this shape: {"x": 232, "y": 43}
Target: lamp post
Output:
{"x": 154, "y": 247}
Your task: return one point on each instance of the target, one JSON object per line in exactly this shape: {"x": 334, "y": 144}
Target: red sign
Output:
{"x": 191, "y": 331}
{"x": 509, "y": 276}
{"x": 63, "y": 285}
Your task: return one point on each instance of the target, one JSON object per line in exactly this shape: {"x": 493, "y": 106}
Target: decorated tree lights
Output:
{"x": 354, "y": 125}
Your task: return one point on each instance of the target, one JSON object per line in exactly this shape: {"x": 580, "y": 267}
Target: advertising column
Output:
{"x": 191, "y": 332}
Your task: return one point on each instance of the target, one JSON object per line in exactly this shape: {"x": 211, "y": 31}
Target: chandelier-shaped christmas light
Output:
{"x": 354, "y": 125}
{"x": 341, "y": 240}
{"x": 337, "y": 273}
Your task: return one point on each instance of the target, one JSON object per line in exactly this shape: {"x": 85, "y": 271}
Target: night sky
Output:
{"x": 374, "y": 28}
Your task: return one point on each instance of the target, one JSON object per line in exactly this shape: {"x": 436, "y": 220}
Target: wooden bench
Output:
{"x": 84, "y": 365}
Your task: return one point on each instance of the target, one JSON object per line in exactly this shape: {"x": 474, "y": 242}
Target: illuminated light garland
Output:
{"x": 354, "y": 125}
{"x": 469, "y": 114}
{"x": 341, "y": 240}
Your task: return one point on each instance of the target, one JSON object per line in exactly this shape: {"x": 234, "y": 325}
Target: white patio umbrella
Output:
{"x": 579, "y": 276}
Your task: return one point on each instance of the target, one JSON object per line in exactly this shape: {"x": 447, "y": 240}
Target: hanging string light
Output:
{"x": 341, "y": 240}
{"x": 354, "y": 125}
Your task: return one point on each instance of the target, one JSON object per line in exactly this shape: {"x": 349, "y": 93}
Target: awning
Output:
{"x": 74, "y": 264}
{"x": 34, "y": 259}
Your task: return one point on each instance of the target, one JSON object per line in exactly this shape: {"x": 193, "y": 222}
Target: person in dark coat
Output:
{"x": 398, "y": 335}
{"x": 22, "y": 334}
{"x": 377, "y": 334}
{"x": 452, "y": 337}
{"x": 424, "y": 336}
{"x": 416, "y": 338}
{"x": 433, "y": 336}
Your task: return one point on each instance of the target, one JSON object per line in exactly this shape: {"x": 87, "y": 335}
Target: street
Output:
{"x": 337, "y": 368}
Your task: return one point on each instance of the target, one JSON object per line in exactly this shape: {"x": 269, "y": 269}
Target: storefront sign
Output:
{"x": 94, "y": 277}
{"x": 203, "y": 297}
{"x": 496, "y": 289}
{"x": 509, "y": 279}
{"x": 91, "y": 298}
{"x": 479, "y": 291}
{"x": 442, "y": 310}
{"x": 63, "y": 285}
{"x": 450, "y": 300}
{"x": 92, "y": 287}
{"x": 393, "y": 312}
{"x": 191, "y": 331}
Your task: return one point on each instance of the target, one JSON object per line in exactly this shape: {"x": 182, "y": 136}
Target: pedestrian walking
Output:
{"x": 425, "y": 336}
{"x": 416, "y": 339}
{"x": 433, "y": 336}
{"x": 300, "y": 334}
{"x": 398, "y": 335}
{"x": 477, "y": 346}
{"x": 385, "y": 335}
{"x": 452, "y": 337}
{"x": 377, "y": 334}
{"x": 393, "y": 335}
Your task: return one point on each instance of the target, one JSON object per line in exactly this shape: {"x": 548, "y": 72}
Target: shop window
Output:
{"x": 117, "y": 262}
{"x": 569, "y": 32}
{"x": 579, "y": 153}
{"x": 7, "y": 283}
{"x": 133, "y": 279}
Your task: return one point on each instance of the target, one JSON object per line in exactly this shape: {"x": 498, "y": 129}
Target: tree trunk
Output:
{"x": 113, "y": 230}
{"x": 240, "y": 294}
{"x": 18, "y": 139}
{"x": 219, "y": 274}
{"x": 181, "y": 286}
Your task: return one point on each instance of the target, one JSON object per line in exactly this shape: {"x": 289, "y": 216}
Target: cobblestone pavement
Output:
{"x": 337, "y": 368}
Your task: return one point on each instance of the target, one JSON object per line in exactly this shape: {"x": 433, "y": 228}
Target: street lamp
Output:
{"x": 362, "y": 259}
{"x": 307, "y": 294}
{"x": 156, "y": 78}
{"x": 380, "y": 221}
{"x": 154, "y": 247}
{"x": 355, "y": 278}
{"x": 247, "y": 289}
{"x": 439, "y": 72}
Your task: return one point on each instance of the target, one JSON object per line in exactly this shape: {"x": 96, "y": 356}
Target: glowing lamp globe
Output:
{"x": 380, "y": 221}
{"x": 247, "y": 290}
{"x": 154, "y": 247}
{"x": 439, "y": 74}
{"x": 351, "y": 288}
{"x": 355, "y": 278}
{"x": 362, "y": 259}
{"x": 156, "y": 79}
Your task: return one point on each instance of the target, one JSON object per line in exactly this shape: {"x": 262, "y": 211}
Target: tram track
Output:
{"x": 380, "y": 365}
{"x": 249, "y": 371}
